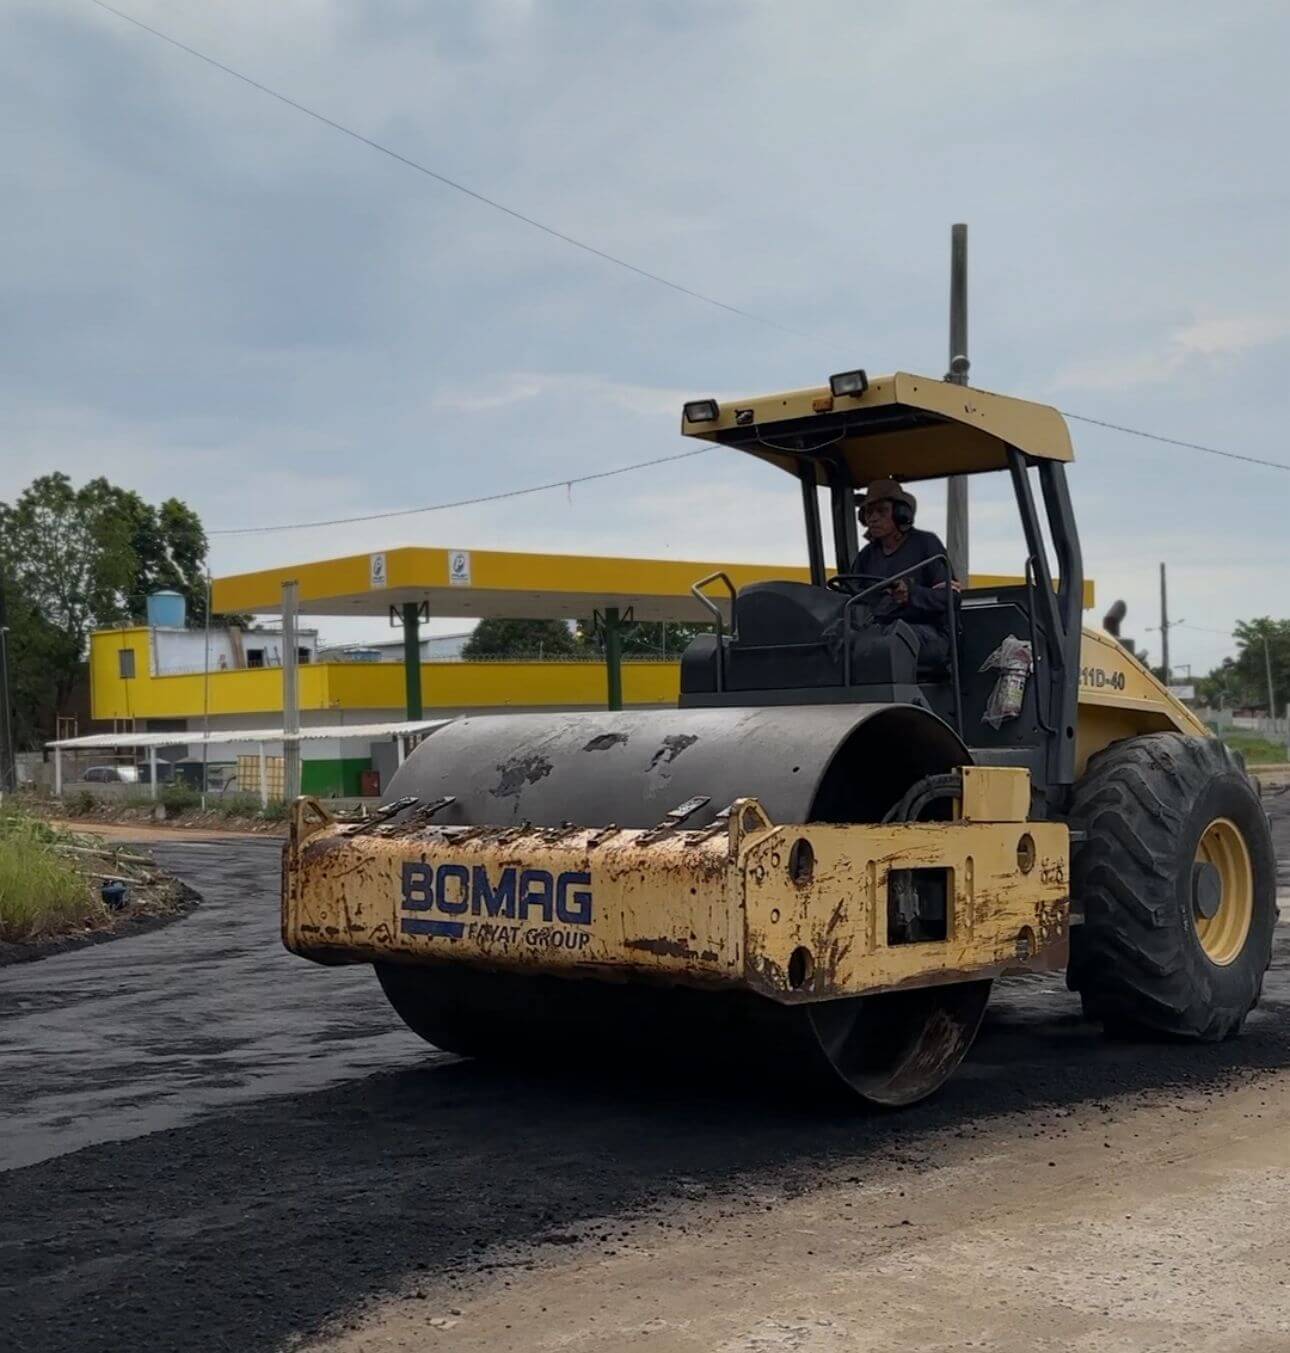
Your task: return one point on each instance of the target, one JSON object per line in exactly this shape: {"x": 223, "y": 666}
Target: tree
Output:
{"x": 1221, "y": 689}
{"x": 43, "y": 666}
{"x": 520, "y": 639}
{"x": 1243, "y": 680}
{"x": 168, "y": 545}
{"x": 646, "y": 638}
{"x": 1260, "y": 643}
{"x": 75, "y": 560}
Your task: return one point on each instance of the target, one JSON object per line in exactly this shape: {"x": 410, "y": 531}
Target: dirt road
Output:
{"x": 1092, "y": 1228}
{"x": 207, "y": 1144}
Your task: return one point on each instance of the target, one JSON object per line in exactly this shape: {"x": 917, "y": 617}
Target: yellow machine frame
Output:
{"x": 795, "y": 912}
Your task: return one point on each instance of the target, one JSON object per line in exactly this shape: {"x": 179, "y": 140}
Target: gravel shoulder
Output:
{"x": 1156, "y": 1227}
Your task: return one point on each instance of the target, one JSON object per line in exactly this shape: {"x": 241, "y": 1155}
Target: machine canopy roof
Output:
{"x": 902, "y": 427}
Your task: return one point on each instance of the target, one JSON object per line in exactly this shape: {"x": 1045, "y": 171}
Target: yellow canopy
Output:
{"x": 902, "y": 427}
{"x": 477, "y": 583}
{"x": 480, "y": 583}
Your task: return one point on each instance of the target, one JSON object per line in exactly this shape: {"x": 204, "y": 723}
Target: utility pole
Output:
{"x": 8, "y": 763}
{"x": 206, "y": 696}
{"x": 1272, "y": 704}
{"x": 956, "y": 501}
{"x": 290, "y": 694}
{"x": 1164, "y": 626}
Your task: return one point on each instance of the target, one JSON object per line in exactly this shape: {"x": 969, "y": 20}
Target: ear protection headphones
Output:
{"x": 901, "y": 513}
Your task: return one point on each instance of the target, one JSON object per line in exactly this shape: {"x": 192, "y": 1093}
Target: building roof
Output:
{"x": 215, "y": 737}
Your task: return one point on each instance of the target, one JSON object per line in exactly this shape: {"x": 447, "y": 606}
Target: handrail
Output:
{"x": 708, "y": 604}
{"x": 1031, "y": 607}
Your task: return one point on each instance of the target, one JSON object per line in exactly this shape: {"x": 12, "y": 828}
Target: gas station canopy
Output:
{"x": 501, "y": 584}
{"x": 489, "y": 583}
{"x": 413, "y": 582}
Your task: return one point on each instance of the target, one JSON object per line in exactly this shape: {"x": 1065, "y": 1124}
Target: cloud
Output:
{"x": 1236, "y": 334}
{"x": 520, "y": 387}
{"x": 1229, "y": 336}
{"x": 207, "y": 294}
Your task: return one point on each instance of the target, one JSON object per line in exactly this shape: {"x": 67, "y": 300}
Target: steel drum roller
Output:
{"x": 833, "y": 763}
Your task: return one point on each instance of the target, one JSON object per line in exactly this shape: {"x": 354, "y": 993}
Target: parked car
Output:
{"x": 112, "y": 775}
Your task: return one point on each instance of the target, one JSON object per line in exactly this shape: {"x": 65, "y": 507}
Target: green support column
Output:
{"x": 412, "y": 657}
{"x": 614, "y": 656}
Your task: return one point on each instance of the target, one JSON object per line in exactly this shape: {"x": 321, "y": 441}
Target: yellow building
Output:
{"x": 160, "y": 678}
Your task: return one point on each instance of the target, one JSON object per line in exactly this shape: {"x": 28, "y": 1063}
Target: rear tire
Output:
{"x": 1178, "y": 880}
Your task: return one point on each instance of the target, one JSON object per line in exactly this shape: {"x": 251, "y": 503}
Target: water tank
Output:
{"x": 167, "y": 610}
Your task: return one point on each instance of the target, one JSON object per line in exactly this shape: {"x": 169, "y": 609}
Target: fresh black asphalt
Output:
{"x": 209, "y": 1144}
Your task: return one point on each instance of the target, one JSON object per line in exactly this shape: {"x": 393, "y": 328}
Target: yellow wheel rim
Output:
{"x": 1223, "y": 935}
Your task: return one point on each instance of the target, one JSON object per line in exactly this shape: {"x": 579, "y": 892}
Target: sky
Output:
{"x": 207, "y": 294}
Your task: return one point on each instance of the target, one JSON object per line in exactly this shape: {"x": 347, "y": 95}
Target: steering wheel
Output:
{"x": 849, "y": 583}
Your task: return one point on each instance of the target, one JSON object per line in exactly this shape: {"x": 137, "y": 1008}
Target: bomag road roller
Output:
{"x": 819, "y": 862}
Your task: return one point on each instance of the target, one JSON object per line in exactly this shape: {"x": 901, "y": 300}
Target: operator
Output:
{"x": 895, "y": 544}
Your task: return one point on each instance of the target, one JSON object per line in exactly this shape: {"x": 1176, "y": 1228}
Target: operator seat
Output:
{"x": 790, "y": 637}
{"x": 773, "y": 613}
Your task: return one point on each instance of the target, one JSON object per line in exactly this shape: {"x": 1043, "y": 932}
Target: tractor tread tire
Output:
{"x": 1136, "y": 960}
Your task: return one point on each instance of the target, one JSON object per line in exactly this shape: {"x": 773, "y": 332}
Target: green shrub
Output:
{"x": 41, "y": 892}
{"x": 179, "y": 798}
{"x": 248, "y": 805}
{"x": 80, "y": 803}
{"x": 237, "y": 805}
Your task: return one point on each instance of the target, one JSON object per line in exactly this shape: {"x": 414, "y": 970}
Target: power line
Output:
{"x": 585, "y": 247}
{"x": 1173, "y": 441}
{"x": 460, "y": 502}
{"x": 663, "y": 460}
{"x": 449, "y": 182}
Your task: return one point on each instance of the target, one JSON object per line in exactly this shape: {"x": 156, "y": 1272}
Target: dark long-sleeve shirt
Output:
{"x": 926, "y": 604}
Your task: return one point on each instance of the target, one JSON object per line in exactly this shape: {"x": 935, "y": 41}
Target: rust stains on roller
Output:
{"x": 663, "y": 947}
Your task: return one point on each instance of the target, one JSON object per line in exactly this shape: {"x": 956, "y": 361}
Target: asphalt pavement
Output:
{"x": 209, "y": 1144}
{"x": 153, "y": 1031}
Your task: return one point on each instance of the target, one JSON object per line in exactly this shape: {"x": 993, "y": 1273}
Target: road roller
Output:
{"x": 815, "y": 867}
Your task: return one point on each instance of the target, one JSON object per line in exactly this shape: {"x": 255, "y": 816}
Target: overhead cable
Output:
{"x": 449, "y": 182}
{"x": 460, "y": 502}
{"x": 1175, "y": 441}
{"x": 588, "y": 248}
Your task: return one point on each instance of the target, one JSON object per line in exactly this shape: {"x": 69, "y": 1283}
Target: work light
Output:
{"x": 701, "y": 411}
{"x": 853, "y": 383}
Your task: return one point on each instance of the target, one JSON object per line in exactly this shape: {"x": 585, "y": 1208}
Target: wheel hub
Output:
{"x": 1206, "y": 889}
{"x": 1222, "y": 891}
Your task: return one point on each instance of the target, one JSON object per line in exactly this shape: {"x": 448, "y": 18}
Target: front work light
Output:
{"x": 853, "y": 383}
{"x": 701, "y": 411}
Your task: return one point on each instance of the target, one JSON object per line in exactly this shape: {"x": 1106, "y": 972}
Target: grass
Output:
{"x": 41, "y": 892}
{"x": 1257, "y": 750}
{"x": 248, "y": 805}
{"x": 178, "y": 801}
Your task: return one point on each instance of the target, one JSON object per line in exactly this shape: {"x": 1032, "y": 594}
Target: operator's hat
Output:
{"x": 889, "y": 489}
